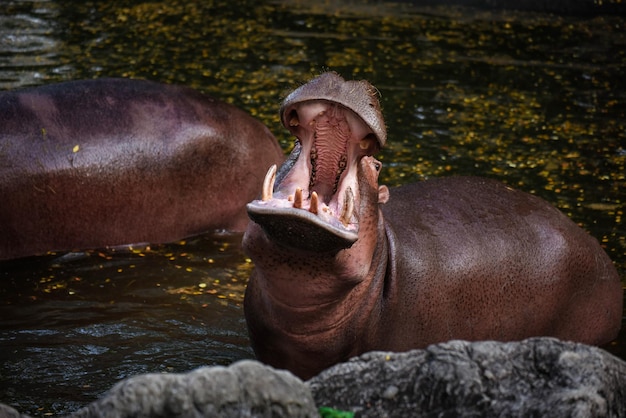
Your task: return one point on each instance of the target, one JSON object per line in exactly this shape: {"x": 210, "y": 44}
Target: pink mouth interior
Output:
{"x": 319, "y": 194}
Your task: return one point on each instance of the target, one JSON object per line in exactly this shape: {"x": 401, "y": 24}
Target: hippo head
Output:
{"x": 312, "y": 201}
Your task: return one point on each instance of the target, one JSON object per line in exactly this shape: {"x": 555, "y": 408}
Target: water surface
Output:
{"x": 535, "y": 100}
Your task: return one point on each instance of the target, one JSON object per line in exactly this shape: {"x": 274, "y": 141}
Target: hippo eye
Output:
{"x": 378, "y": 166}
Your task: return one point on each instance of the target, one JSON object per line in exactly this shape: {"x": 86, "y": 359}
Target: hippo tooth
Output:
{"x": 313, "y": 207}
{"x": 348, "y": 207}
{"x": 297, "y": 199}
{"x": 268, "y": 183}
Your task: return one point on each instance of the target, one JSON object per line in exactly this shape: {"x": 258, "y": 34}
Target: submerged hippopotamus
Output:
{"x": 344, "y": 266}
{"x": 95, "y": 163}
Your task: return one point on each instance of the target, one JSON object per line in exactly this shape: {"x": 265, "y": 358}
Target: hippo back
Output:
{"x": 492, "y": 262}
{"x": 115, "y": 161}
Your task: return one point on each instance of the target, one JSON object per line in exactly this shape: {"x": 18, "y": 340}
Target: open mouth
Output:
{"x": 313, "y": 205}
{"x": 312, "y": 201}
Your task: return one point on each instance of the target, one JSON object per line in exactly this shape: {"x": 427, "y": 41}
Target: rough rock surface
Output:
{"x": 8, "y": 412}
{"x": 536, "y": 377}
{"x": 245, "y": 389}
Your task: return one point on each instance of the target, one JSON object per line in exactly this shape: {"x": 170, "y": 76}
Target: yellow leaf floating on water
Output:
{"x": 603, "y": 206}
{"x": 76, "y": 148}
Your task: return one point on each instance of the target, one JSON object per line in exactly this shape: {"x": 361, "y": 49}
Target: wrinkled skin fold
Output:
{"x": 343, "y": 265}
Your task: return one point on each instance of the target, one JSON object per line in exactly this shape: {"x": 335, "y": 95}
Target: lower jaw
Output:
{"x": 300, "y": 229}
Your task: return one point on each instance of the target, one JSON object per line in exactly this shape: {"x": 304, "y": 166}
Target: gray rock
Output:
{"x": 244, "y": 389}
{"x": 536, "y": 377}
{"x": 8, "y": 412}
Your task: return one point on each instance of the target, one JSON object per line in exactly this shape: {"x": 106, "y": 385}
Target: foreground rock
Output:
{"x": 245, "y": 389}
{"x": 535, "y": 377}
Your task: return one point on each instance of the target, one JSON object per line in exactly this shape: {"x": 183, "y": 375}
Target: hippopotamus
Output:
{"x": 343, "y": 265}
{"x": 107, "y": 162}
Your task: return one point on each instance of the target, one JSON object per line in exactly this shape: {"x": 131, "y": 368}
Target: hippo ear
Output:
{"x": 383, "y": 194}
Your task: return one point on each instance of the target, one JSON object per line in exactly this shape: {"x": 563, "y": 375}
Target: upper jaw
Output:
{"x": 358, "y": 96}
{"x": 332, "y": 139}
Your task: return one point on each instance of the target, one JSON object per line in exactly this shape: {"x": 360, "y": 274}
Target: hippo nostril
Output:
{"x": 368, "y": 143}
{"x": 294, "y": 119}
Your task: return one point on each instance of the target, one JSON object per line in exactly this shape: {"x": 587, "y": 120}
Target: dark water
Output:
{"x": 535, "y": 100}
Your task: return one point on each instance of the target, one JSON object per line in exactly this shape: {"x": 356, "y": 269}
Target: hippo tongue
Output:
{"x": 293, "y": 226}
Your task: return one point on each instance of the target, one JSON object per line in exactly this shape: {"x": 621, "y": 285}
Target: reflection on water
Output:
{"x": 28, "y": 45}
{"x": 537, "y": 101}
{"x": 72, "y": 325}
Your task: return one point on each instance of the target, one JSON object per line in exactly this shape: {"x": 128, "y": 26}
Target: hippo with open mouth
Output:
{"x": 344, "y": 266}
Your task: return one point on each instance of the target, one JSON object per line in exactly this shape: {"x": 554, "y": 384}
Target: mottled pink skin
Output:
{"x": 106, "y": 162}
{"x": 451, "y": 258}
